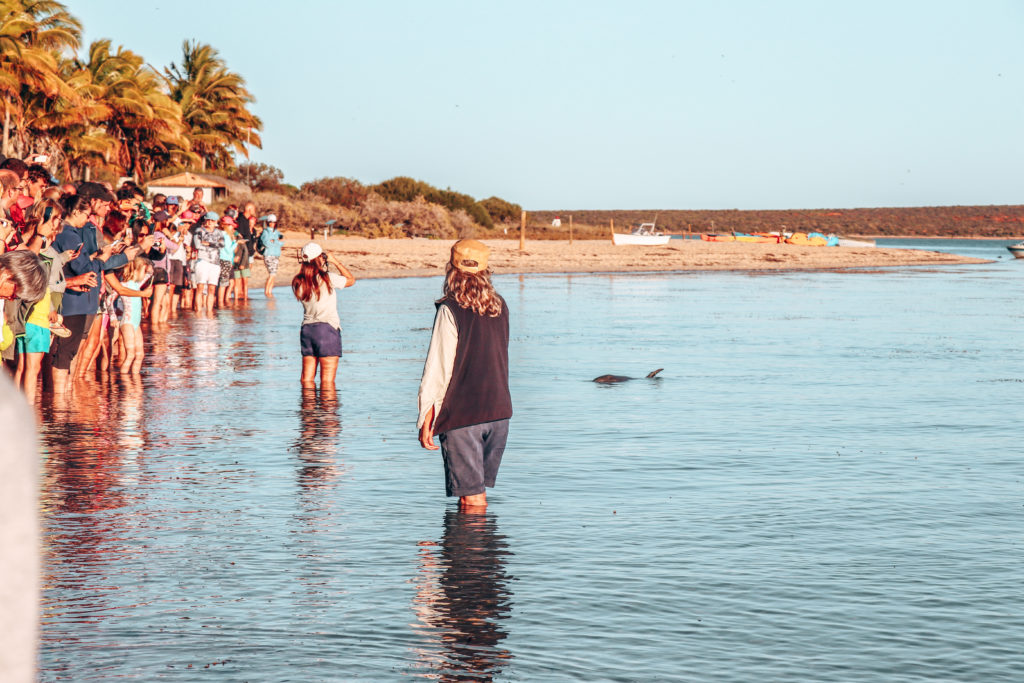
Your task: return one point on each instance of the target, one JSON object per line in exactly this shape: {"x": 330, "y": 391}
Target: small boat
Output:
{"x": 644, "y": 234}
{"x": 813, "y": 239}
{"x": 740, "y": 237}
{"x": 1017, "y": 250}
{"x": 850, "y": 242}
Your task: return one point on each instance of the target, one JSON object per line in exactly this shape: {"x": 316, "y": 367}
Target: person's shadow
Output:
{"x": 463, "y": 597}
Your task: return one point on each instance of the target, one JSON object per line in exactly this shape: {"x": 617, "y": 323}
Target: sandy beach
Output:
{"x": 419, "y": 257}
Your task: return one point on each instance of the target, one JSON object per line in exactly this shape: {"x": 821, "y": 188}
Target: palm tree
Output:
{"x": 32, "y": 34}
{"x": 144, "y": 123}
{"x": 73, "y": 131}
{"x": 214, "y": 103}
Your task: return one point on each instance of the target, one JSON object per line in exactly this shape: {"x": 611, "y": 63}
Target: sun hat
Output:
{"x": 211, "y": 216}
{"x": 311, "y": 251}
{"x": 187, "y": 216}
{"x": 470, "y": 256}
{"x": 272, "y": 218}
{"x": 227, "y": 220}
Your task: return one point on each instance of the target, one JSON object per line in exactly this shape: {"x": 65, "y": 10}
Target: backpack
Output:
{"x": 261, "y": 247}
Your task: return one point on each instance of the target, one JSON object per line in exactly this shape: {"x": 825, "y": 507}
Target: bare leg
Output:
{"x": 128, "y": 333}
{"x": 85, "y": 359}
{"x": 19, "y": 371}
{"x": 308, "y": 378}
{"x": 157, "y": 306}
{"x": 268, "y": 289}
{"x": 328, "y": 370}
{"x": 33, "y": 362}
{"x": 138, "y": 353}
{"x": 476, "y": 501}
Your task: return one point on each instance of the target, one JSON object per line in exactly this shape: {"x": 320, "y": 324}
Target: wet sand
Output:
{"x": 420, "y": 257}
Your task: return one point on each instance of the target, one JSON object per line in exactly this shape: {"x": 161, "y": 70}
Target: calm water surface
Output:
{"x": 825, "y": 483}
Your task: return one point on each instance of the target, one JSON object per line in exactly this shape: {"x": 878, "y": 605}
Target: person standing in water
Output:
{"x": 320, "y": 338}
{"x": 464, "y": 395}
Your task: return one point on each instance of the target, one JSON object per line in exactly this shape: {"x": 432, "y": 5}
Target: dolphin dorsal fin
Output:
{"x": 654, "y": 373}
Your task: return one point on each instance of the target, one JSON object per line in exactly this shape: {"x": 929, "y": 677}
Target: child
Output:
{"x": 136, "y": 275}
{"x": 464, "y": 394}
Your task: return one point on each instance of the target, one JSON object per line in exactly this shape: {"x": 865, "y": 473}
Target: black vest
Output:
{"x": 478, "y": 391}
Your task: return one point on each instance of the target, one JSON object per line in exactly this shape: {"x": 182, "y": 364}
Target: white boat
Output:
{"x": 1017, "y": 250}
{"x": 848, "y": 242}
{"x": 645, "y": 234}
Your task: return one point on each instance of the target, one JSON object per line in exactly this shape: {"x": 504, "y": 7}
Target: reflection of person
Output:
{"x": 462, "y": 596}
{"x": 316, "y": 289}
{"x": 464, "y": 395}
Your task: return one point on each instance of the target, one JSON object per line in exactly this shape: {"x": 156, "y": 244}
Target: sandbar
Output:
{"x": 422, "y": 257}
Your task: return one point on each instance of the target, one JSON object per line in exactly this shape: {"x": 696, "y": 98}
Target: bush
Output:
{"x": 405, "y": 189}
{"x": 338, "y": 191}
{"x": 501, "y": 211}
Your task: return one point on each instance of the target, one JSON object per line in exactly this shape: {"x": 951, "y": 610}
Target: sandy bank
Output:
{"x": 418, "y": 257}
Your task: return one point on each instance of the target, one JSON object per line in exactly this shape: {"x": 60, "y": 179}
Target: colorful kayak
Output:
{"x": 739, "y": 237}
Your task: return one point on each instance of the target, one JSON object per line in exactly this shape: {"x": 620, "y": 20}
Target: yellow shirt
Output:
{"x": 40, "y": 313}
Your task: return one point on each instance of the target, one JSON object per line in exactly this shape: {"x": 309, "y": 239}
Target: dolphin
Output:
{"x": 615, "y": 379}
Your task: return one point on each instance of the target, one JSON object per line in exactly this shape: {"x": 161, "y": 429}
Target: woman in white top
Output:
{"x": 320, "y": 338}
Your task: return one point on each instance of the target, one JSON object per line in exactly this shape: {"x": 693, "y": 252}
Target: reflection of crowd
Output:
{"x": 84, "y": 268}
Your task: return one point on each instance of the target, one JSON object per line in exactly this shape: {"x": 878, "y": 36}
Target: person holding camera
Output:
{"x": 316, "y": 289}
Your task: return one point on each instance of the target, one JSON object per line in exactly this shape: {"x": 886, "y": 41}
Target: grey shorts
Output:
{"x": 472, "y": 456}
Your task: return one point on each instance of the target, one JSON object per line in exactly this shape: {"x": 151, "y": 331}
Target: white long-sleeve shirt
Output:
{"x": 437, "y": 370}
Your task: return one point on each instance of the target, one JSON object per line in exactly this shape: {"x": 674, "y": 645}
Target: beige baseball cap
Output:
{"x": 470, "y": 256}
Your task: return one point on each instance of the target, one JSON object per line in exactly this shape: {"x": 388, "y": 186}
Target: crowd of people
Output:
{"x": 82, "y": 265}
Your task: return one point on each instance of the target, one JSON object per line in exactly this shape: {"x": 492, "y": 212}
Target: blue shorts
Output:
{"x": 35, "y": 340}
{"x": 320, "y": 340}
{"x": 472, "y": 456}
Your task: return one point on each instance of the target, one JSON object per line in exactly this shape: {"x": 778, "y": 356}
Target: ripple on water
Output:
{"x": 822, "y": 485}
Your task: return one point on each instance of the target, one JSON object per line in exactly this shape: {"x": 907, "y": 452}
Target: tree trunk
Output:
{"x": 7, "y": 124}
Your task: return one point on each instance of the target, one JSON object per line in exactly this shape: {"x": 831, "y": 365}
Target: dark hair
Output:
{"x": 310, "y": 279}
{"x": 16, "y": 165}
{"x": 75, "y": 202}
{"x": 38, "y": 172}
{"x": 129, "y": 192}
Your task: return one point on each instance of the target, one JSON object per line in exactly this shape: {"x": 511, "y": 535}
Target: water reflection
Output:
{"x": 462, "y": 599}
{"x": 317, "y": 443}
{"x": 93, "y": 437}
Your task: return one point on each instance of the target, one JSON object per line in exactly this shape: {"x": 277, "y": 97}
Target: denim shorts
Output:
{"x": 472, "y": 456}
{"x": 320, "y": 340}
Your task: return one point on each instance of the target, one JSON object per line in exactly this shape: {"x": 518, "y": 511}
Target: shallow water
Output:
{"x": 824, "y": 483}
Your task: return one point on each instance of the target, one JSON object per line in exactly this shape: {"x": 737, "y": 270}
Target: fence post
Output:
{"x": 522, "y": 231}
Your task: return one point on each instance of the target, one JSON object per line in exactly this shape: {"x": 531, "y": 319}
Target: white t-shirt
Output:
{"x": 324, "y": 309}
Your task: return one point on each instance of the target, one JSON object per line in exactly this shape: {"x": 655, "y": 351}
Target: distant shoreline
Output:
{"x": 421, "y": 257}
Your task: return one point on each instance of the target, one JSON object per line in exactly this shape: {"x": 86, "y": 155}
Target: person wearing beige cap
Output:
{"x": 464, "y": 396}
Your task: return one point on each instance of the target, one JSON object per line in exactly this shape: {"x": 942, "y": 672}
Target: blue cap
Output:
{"x": 172, "y": 200}
{"x": 211, "y": 216}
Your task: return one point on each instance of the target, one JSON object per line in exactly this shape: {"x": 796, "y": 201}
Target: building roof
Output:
{"x": 185, "y": 179}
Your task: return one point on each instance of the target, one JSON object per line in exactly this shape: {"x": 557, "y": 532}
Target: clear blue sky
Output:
{"x": 623, "y": 105}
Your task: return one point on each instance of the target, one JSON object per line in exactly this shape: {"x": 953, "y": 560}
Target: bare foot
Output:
{"x": 473, "y": 503}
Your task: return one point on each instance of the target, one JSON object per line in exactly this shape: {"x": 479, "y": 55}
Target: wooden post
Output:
{"x": 613, "y": 230}
{"x": 570, "y": 228}
{"x": 522, "y": 231}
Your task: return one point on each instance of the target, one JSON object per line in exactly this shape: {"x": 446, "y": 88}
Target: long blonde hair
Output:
{"x": 473, "y": 291}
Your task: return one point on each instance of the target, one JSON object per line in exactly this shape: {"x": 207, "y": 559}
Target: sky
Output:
{"x": 560, "y": 105}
